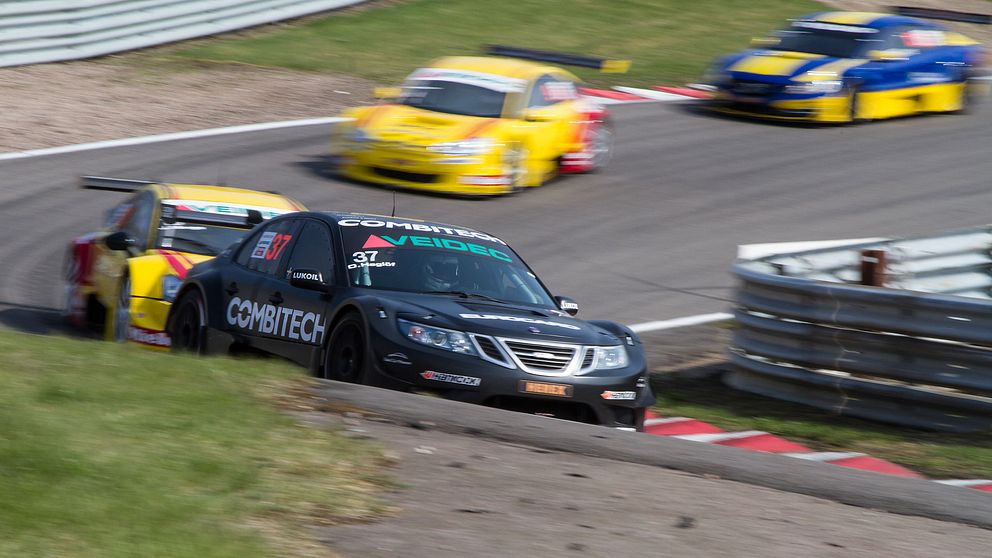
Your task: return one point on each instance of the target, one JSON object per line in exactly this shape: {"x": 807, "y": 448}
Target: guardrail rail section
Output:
{"x": 35, "y": 31}
{"x": 898, "y": 331}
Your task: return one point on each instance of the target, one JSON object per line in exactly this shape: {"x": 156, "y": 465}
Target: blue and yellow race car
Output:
{"x": 850, "y": 66}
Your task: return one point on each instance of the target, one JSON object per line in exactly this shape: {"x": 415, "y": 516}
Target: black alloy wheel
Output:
{"x": 345, "y": 355}
{"x": 186, "y": 329}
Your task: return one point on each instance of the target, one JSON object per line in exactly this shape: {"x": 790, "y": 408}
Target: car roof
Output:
{"x": 336, "y": 216}
{"x": 197, "y": 192}
{"x": 509, "y": 67}
{"x": 874, "y": 20}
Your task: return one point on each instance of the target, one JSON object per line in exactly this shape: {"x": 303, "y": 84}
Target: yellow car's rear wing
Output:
{"x": 113, "y": 184}
{"x": 946, "y": 15}
{"x": 602, "y": 64}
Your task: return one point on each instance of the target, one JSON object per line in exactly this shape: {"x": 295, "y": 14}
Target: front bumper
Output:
{"x": 605, "y": 397}
{"x": 147, "y": 326}
{"x": 481, "y": 175}
{"x": 809, "y": 108}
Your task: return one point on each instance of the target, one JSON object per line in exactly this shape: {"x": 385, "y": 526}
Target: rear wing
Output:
{"x": 171, "y": 215}
{"x": 113, "y": 184}
{"x": 946, "y": 15}
{"x": 602, "y": 64}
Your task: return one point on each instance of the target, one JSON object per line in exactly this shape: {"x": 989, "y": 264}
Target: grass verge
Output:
{"x": 934, "y": 454}
{"x": 113, "y": 451}
{"x": 670, "y": 41}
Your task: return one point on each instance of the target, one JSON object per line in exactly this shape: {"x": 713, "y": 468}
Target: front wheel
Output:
{"x": 344, "y": 360}
{"x": 515, "y": 168}
{"x": 187, "y": 329}
{"x": 122, "y": 312}
{"x": 854, "y": 110}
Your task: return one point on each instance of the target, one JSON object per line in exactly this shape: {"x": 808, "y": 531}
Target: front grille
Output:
{"x": 405, "y": 175}
{"x": 541, "y": 357}
{"x": 489, "y": 348}
{"x": 587, "y": 360}
{"x": 755, "y": 88}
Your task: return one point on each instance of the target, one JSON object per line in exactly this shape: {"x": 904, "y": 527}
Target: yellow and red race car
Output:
{"x": 478, "y": 125}
{"x": 122, "y": 279}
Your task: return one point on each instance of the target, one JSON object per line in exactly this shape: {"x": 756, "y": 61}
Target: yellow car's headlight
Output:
{"x": 464, "y": 148}
{"x": 170, "y": 287}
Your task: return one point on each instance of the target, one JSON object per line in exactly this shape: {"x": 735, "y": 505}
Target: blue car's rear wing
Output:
{"x": 602, "y": 64}
{"x": 946, "y": 15}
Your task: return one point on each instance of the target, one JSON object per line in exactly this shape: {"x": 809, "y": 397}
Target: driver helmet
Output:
{"x": 440, "y": 272}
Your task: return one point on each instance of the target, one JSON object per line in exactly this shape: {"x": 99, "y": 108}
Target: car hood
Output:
{"x": 413, "y": 126}
{"x": 497, "y": 319}
{"x": 776, "y": 66}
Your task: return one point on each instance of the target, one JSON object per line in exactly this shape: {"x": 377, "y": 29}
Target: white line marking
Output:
{"x": 168, "y": 137}
{"x": 825, "y": 456}
{"x": 721, "y": 436}
{"x": 681, "y": 322}
{"x": 966, "y": 483}
{"x": 668, "y": 420}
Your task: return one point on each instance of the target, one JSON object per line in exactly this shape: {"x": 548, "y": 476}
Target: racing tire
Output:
{"x": 601, "y": 142}
{"x": 345, "y": 357}
{"x": 853, "y": 105}
{"x": 188, "y": 328}
{"x": 515, "y": 167}
{"x": 122, "y": 311}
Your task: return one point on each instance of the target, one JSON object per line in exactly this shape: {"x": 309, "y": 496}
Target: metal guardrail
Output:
{"x": 35, "y": 31}
{"x": 917, "y": 351}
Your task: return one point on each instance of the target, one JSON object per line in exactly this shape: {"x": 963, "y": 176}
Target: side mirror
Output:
{"x": 889, "y": 55}
{"x": 568, "y": 305}
{"x": 765, "y": 42}
{"x": 309, "y": 279}
{"x": 387, "y": 93}
{"x": 538, "y": 115}
{"x": 118, "y": 241}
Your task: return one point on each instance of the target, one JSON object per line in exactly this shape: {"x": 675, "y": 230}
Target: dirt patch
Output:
{"x": 78, "y": 102}
{"x": 468, "y": 496}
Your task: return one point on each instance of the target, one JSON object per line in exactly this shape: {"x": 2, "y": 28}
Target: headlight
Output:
{"x": 715, "y": 76}
{"x": 608, "y": 358}
{"x": 466, "y": 148}
{"x": 170, "y": 287}
{"x": 446, "y": 339}
{"x": 809, "y": 87}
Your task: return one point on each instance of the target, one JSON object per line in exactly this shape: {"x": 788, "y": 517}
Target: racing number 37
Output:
{"x": 270, "y": 245}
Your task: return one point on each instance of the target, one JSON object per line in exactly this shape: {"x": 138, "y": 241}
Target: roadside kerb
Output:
{"x": 858, "y": 488}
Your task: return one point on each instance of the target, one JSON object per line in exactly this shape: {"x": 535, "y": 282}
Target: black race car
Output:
{"x": 412, "y": 305}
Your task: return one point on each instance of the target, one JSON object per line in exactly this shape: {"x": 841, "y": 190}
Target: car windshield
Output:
{"x": 453, "y": 98}
{"x": 208, "y": 240}
{"x": 840, "y": 41}
{"x": 437, "y": 259}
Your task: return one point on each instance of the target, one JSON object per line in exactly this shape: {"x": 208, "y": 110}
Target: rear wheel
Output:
{"x": 344, "y": 360}
{"x": 187, "y": 329}
{"x": 601, "y": 139}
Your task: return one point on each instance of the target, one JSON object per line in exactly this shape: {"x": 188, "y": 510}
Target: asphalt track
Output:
{"x": 650, "y": 238}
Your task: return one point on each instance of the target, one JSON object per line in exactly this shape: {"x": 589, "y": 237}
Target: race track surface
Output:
{"x": 652, "y": 237}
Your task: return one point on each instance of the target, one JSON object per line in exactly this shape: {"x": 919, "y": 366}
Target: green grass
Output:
{"x": 669, "y": 41}
{"x": 936, "y": 455}
{"x": 110, "y": 451}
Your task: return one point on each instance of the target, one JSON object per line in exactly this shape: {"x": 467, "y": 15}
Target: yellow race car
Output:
{"x": 478, "y": 125}
{"x": 121, "y": 280}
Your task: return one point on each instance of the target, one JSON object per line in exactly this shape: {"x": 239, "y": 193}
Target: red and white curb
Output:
{"x": 623, "y": 95}
{"x": 698, "y": 431}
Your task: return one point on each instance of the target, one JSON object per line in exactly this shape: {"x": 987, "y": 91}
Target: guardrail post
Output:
{"x": 873, "y": 266}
